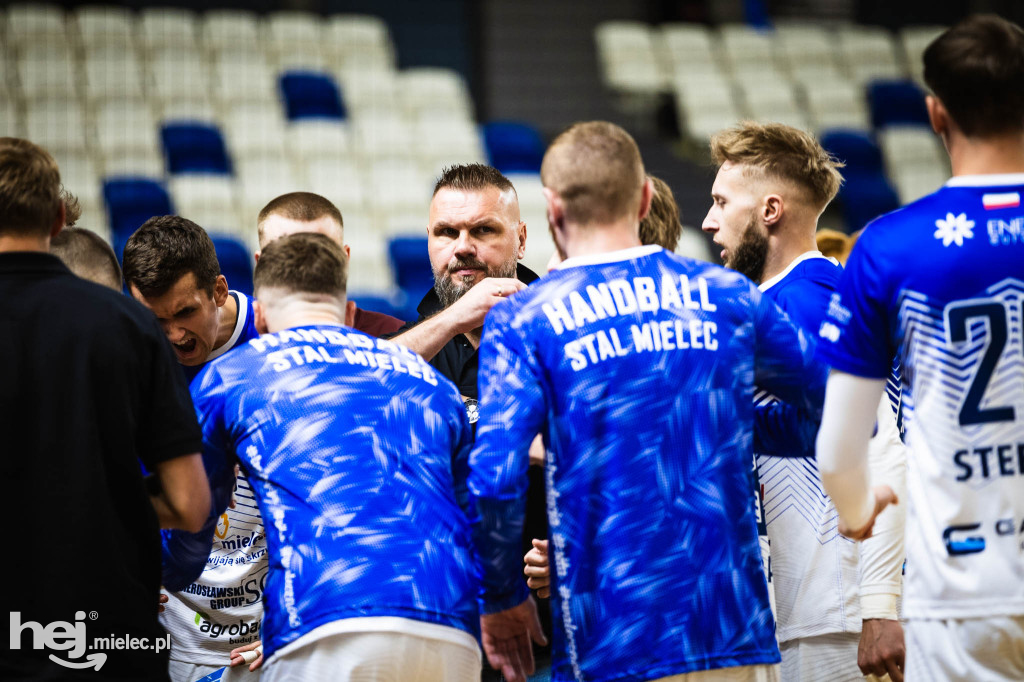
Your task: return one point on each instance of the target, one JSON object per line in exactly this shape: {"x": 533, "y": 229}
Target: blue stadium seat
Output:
{"x": 514, "y": 147}
{"x": 235, "y": 262}
{"x": 380, "y": 304}
{"x": 309, "y": 94}
{"x": 865, "y": 194}
{"x": 864, "y": 197}
{"x": 411, "y": 265}
{"x": 193, "y": 147}
{"x": 896, "y": 103}
{"x": 132, "y": 201}
{"x": 854, "y": 148}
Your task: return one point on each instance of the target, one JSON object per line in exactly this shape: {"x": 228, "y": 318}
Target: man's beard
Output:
{"x": 749, "y": 256}
{"x": 450, "y": 291}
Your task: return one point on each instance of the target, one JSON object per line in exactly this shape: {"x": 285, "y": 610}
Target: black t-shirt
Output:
{"x": 458, "y": 360}
{"x": 89, "y": 386}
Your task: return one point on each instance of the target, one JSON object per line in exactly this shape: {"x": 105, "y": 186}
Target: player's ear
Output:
{"x": 646, "y": 196}
{"x": 521, "y": 240}
{"x": 350, "y": 313}
{"x": 555, "y": 208}
{"x": 220, "y": 290}
{"x": 938, "y": 117}
{"x": 772, "y": 209}
{"x": 256, "y": 256}
{"x": 259, "y": 317}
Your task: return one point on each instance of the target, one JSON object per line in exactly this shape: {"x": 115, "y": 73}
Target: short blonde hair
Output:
{"x": 833, "y": 243}
{"x": 595, "y": 167}
{"x": 782, "y": 152}
{"x": 30, "y": 198}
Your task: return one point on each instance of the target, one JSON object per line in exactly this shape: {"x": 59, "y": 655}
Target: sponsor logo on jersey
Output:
{"x": 969, "y": 538}
{"x": 954, "y": 229}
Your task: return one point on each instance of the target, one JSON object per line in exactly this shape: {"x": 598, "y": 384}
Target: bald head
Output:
{"x": 596, "y": 170}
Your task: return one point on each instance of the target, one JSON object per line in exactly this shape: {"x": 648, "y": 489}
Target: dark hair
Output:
{"x": 165, "y": 249}
{"x": 29, "y": 188}
{"x": 87, "y": 255}
{"x": 976, "y": 69}
{"x": 469, "y": 177}
{"x": 304, "y": 206}
{"x": 304, "y": 262}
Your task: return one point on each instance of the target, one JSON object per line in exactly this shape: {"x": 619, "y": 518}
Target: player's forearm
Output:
{"x": 842, "y": 447}
{"x": 180, "y": 493}
{"x": 429, "y": 336}
{"x": 882, "y": 555}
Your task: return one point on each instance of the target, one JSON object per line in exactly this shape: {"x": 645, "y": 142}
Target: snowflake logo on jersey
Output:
{"x": 954, "y": 229}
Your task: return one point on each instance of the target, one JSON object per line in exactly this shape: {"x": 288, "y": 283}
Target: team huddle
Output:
{"x": 671, "y": 469}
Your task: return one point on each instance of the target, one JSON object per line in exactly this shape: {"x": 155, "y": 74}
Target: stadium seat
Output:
{"x": 244, "y": 76}
{"x": 48, "y": 70}
{"x": 235, "y": 262}
{"x": 514, "y": 146}
{"x": 123, "y": 126}
{"x": 365, "y": 90}
{"x": 914, "y": 182}
{"x": 102, "y": 25}
{"x": 387, "y": 134}
{"x": 194, "y": 147}
{"x": 905, "y": 146}
{"x": 864, "y": 197}
{"x": 35, "y": 23}
{"x": 411, "y": 265}
{"x": 254, "y": 128}
{"x": 800, "y": 44}
{"x": 836, "y": 103}
{"x": 169, "y": 28}
{"x": 689, "y": 47}
{"x": 896, "y": 102}
{"x": 260, "y": 179}
{"x": 312, "y": 137}
{"x": 144, "y": 162}
{"x": 132, "y": 201}
{"x": 856, "y": 149}
{"x": 11, "y": 124}
{"x": 398, "y": 186}
{"x": 705, "y": 105}
{"x": 770, "y": 98}
{"x": 868, "y": 53}
{"x": 60, "y": 125}
{"x": 358, "y": 41}
{"x": 295, "y": 40}
{"x": 339, "y": 180}
{"x": 426, "y": 88}
{"x": 915, "y": 39}
{"x": 112, "y": 79}
{"x": 628, "y": 59}
{"x": 309, "y": 94}
{"x": 175, "y": 75}
{"x": 745, "y": 46}
{"x": 229, "y": 29}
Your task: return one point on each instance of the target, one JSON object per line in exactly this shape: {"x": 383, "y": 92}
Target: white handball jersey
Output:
{"x": 940, "y": 284}
{"x": 223, "y": 608}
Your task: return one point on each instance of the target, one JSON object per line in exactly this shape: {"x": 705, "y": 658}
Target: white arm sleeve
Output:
{"x": 881, "y": 555}
{"x": 851, "y": 403}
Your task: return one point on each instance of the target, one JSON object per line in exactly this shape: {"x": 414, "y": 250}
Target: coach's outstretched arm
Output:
{"x": 429, "y": 336}
{"x": 842, "y": 447}
{"x": 512, "y": 412}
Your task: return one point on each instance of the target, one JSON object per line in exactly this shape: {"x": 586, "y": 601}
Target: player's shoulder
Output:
{"x": 810, "y": 274}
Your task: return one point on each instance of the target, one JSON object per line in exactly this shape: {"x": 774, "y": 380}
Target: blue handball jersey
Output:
{"x": 638, "y": 367}
{"x": 183, "y": 554}
{"x": 940, "y": 285}
{"x": 350, "y": 443}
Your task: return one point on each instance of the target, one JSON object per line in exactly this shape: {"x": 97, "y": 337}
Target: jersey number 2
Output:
{"x": 958, "y": 318}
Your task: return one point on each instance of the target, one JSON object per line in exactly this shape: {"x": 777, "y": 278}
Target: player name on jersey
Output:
{"x": 623, "y": 297}
{"x": 355, "y": 349}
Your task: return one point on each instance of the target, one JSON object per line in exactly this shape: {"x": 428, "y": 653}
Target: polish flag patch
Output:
{"x": 1002, "y": 200}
